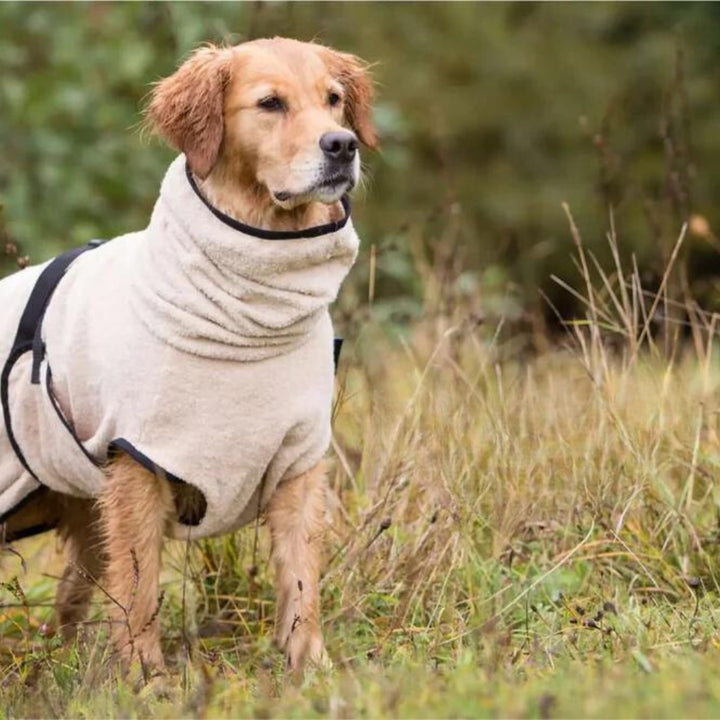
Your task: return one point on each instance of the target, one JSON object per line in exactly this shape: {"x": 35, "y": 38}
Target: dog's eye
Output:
{"x": 333, "y": 99}
{"x": 272, "y": 103}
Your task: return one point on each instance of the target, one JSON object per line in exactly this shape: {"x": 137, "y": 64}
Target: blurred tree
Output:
{"x": 491, "y": 114}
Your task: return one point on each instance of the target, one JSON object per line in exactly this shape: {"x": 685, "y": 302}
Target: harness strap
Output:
{"x": 44, "y": 287}
{"x": 29, "y": 334}
{"x": 337, "y": 347}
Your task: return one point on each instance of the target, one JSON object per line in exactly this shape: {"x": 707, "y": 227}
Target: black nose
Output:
{"x": 339, "y": 145}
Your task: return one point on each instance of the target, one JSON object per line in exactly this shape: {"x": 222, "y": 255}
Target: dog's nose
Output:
{"x": 339, "y": 145}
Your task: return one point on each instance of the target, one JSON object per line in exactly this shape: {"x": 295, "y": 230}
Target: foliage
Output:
{"x": 493, "y": 112}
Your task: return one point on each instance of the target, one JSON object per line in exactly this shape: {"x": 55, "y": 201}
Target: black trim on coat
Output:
{"x": 28, "y": 338}
{"x": 61, "y": 415}
{"x": 6, "y": 537}
{"x": 15, "y": 354}
{"x": 123, "y": 445}
{"x": 19, "y": 506}
{"x": 312, "y": 232}
{"x": 129, "y": 449}
{"x": 30, "y": 532}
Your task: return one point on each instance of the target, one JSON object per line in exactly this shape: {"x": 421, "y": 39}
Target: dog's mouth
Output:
{"x": 336, "y": 180}
{"x": 326, "y": 190}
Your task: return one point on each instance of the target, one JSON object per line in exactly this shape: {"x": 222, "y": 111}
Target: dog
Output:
{"x": 178, "y": 380}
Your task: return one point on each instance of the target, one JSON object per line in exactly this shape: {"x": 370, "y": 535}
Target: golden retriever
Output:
{"x": 271, "y": 132}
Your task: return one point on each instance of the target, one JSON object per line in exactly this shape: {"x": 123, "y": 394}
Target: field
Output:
{"x": 514, "y": 532}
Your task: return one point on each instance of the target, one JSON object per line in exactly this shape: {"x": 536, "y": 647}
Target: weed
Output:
{"x": 513, "y": 533}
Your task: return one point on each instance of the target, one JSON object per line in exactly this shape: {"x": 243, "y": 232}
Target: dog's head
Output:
{"x": 280, "y": 118}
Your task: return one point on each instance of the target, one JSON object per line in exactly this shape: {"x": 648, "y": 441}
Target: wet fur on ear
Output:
{"x": 186, "y": 109}
{"x": 352, "y": 73}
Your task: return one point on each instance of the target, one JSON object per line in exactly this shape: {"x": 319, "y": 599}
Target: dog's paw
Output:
{"x": 160, "y": 686}
{"x": 141, "y": 671}
{"x": 305, "y": 650}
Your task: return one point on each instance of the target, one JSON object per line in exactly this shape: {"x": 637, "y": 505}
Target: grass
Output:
{"x": 513, "y": 534}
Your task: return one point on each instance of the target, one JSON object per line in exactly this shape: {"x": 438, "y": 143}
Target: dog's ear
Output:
{"x": 352, "y": 73}
{"x": 187, "y": 108}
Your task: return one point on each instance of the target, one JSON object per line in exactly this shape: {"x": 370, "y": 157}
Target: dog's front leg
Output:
{"x": 296, "y": 515}
{"x": 136, "y": 507}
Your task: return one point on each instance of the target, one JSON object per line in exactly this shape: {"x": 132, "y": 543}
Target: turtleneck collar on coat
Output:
{"x": 210, "y": 286}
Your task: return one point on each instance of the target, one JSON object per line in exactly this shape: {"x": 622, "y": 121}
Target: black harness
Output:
{"x": 29, "y": 338}
{"x": 29, "y": 335}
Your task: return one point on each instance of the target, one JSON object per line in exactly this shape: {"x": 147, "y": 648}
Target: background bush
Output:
{"x": 491, "y": 114}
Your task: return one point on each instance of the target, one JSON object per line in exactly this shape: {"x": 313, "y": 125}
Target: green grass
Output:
{"x": 513, "y": 534}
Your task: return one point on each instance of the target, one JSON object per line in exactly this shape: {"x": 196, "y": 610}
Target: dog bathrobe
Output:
{"x": 200, "y": 346}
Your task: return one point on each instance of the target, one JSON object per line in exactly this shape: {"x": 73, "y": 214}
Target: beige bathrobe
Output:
{"x": 200, "y": 346}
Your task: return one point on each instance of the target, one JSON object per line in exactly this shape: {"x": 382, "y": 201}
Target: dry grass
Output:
{"x": 513, "y": 534}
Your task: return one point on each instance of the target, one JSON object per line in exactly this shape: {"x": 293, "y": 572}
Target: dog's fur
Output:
{"x": 263, "y": 166}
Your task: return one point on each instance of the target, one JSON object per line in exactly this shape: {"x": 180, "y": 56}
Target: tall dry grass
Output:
{"x": 472, "y": 481}
{"x": 496, "y": 516}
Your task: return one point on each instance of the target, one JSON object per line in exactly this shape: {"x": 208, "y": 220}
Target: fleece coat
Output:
{"x": 200, "y": 346}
